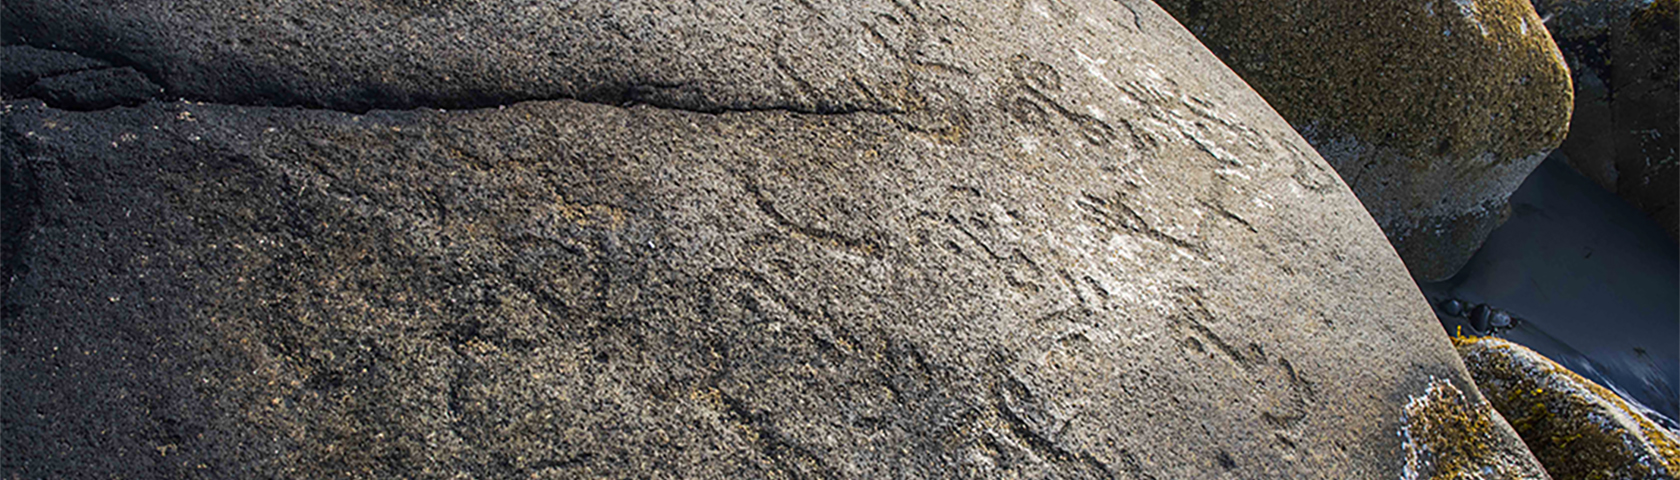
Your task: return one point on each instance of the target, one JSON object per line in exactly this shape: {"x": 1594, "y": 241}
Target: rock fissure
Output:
{"x": 600, "y": 286}
{"x": 622, "y": 95}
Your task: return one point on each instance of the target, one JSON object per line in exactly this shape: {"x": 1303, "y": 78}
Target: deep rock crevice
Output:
{"x": 124, "y": 80}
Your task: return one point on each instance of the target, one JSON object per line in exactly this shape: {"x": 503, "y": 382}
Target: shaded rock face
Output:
{"x": 25, "y": 65}
{"x": 69, "y": 81}
{"x": 1433, "y": 112}
{"x": 1578, "y": 429}
{"x": 1625, "y": 133}
{"x": 876, "y": 240}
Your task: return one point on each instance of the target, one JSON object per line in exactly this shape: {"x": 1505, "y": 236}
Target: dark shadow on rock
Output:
{"x": 95, "y": 89}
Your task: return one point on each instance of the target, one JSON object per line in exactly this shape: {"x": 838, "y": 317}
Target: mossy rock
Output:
{"x": 1578, "y": 429}
{"x": 1450, "y": 435}
{"x": 1433, "y": 112}
{"x": 1622, "y": 57}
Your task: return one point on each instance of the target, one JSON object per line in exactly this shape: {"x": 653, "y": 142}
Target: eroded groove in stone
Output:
{"x": 1007, "y": 278}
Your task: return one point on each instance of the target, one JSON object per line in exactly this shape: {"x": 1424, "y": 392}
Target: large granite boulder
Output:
{"x": 758, "y": 239}
{"x": 1432, "y": 111}
{"x": 1578, "y": 429}
{"x": 1625, "y": 133}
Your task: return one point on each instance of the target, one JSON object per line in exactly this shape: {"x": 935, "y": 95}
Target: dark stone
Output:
{"x": 1566, "y": 238}
{"x": 1452, "y": 307}
{"x": 95, "y": 89}
{"x": 1479, "y": 318}
{"x": 22, "y": 65}
{"x": 1625, "y": 59}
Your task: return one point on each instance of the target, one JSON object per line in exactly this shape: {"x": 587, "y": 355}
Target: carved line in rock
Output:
{"x": 864, "y": 247}
{"x": 1115, "y": 214}
{"x": 1035, "y": 424}
{"x": 1163, "y": 110}
{"x": 1037, "y": 82}
{"x": 1285, "y": 398}
{"x": 1060, "y": 11}
{"x": 901, "y": 368}
{"x": 915, "y": 28}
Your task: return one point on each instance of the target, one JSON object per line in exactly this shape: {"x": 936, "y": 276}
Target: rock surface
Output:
{"x": 70, "y": 81}
{"x": 1433, "y": 112}
{"x": 21, "y": 66}
{"x": 1450, "y": 435}
{"x": 1625, "y": 134}
{"x": 869, "y": 240}
{"x": 1578, "y": 429}
{"x": 95, "y": 89}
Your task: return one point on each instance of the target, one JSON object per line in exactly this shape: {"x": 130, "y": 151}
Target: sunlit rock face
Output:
{"x": 751, "y": 239}
{"x": 1433, "y": 112}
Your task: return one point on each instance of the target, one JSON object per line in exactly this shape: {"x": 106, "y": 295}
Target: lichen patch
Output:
{"x": 1448, "y": 435}
{"x": 1577, "y": 428}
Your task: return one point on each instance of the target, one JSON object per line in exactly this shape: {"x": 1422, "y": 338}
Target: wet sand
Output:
{"x": 1593, "y": 283}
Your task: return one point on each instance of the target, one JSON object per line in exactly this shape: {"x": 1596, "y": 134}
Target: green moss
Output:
{"x": 1428, "y": 80}
{"x": 1453, "y": 431}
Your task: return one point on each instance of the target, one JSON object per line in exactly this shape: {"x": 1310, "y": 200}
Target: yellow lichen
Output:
{"x": 1577, "y": 428}
{"x": 1449, "y": 435}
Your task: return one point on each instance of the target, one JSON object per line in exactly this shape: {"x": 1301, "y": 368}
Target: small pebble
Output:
{"x": 1479, "y": 317}
{"x": 1453, "y": 307}
{"x": 1499, "y": 319}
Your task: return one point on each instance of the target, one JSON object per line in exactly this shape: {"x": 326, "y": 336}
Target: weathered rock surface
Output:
{"x": 1578, "y": 429}
{"x": 356, "y": 55}
{"x": 95, "y": 89}
{"x": 850, "y": 240}
{"x": 70, "y": 81}
{"x": 1450, "y": 435}
{"x": 1433, "y": 112}
{"x": 1625, "y": 133}
{"x": 21, "y": 66}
